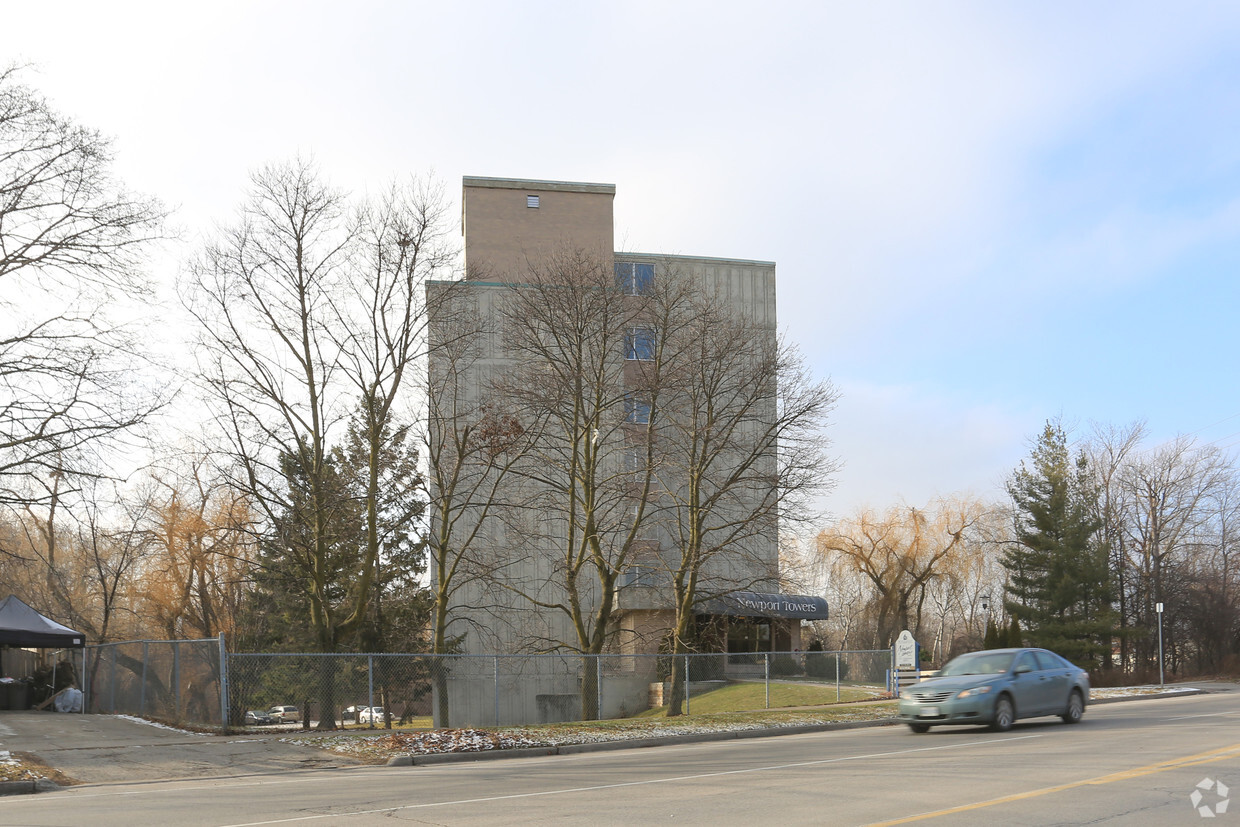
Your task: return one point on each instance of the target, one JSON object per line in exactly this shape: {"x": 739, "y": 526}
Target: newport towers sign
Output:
{"x": 759, "y": 604}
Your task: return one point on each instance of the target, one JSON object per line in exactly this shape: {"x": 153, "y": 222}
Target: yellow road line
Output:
{"x": 1136, "y": 772}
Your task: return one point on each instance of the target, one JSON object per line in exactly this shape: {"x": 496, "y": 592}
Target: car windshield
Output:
{"x": 978, "y": 663}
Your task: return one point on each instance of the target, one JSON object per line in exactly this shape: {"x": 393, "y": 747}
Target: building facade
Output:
{"x": 540, "y": 262}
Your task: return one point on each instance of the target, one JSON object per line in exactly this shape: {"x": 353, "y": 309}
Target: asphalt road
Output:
{"x": 1132, "y": 763}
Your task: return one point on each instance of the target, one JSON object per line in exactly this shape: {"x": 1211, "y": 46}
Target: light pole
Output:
{"x": 1158, "y": 607}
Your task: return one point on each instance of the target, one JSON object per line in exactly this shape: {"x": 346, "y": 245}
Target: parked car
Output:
{"x": 996, "y": 687}
{"x": 370, "y": 715}
{"x": 285, "y": 714}
{"x": 257, "y": 718}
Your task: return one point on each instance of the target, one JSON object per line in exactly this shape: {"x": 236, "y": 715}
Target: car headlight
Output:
{"x": 977, "y": 690}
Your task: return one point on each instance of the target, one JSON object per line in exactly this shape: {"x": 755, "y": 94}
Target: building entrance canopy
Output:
{"x": 759, "y": 604}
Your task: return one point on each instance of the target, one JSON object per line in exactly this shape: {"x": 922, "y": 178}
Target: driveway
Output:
{"x": 106, "y": 748}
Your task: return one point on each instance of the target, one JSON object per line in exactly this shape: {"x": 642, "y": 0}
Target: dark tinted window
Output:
{"x": 636, "y": 410}
{"x": 634, "y": 279}
{"x": 1048, "y": 661}
{"x": 1025, "y": 661}
{"x": 639, "y": 344}
{"x": 978, "y": 663}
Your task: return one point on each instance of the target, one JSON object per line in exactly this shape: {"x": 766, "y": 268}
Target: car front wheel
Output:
{"x": 1005, "y": 714}
{"x": 1075, "y": 709}
{"x": 919, "y": 728}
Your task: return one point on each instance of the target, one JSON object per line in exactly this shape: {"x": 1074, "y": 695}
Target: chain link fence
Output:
{"x": 513, "y": 690}
{"x": 197, "y": 682}
{"x": 169, "y": 680}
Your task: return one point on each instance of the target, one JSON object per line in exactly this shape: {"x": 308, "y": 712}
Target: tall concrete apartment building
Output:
{"x": 512, "y": 228}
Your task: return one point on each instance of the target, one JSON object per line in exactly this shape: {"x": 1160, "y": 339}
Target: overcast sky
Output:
{"x": 984, "y": 214}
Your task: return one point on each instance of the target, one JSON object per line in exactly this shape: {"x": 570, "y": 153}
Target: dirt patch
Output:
{"x": 36, "y": 768}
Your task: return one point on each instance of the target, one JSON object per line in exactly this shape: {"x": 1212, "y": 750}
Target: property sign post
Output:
{"x": 905, "y": 650}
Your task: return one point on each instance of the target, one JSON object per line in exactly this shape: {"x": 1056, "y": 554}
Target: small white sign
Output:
{"x": 906, "y": 651}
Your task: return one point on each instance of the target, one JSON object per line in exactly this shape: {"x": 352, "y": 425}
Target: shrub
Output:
{"x": 785, "y": 665}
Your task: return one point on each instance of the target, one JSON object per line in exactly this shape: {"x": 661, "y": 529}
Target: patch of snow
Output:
{"x": 425, "y": 742}
{"x": 1135, "y": 691}
{"x": 138, "y": 720}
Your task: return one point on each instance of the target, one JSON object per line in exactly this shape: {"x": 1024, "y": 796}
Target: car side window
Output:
{"x": 1047, "y": 661}
{"x": 1025, "y": 661}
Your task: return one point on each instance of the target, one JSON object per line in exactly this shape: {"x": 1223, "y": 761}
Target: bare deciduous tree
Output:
{"x": 741, "y": 449}
{"x": 202, "y": 550}
{"x": 1108, "y": 450}
{"x": 1167, "y": 492}
{"x": 72, "y": 242}
{"x": 472, "y": 443}
{"x": 262, "y": 295}
{"x": 381, "y": 331}
{"x": 566, "y": 326}
{"x": 901, "y": 552}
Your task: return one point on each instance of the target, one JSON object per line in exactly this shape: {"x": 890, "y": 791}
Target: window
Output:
{"x": 636, "y": 410}
{"x": 639, "y": 344}
{"x": 1047, "y": 661}
{"x": 639, "y": 575}
{"x": 634, "y": 459}
{"x": 531, "y": 201}
{"x": 634, "y": 279}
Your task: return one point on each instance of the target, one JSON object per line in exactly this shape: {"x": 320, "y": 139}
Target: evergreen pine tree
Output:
{"x": 991, "y": 640}
{"x": 1058, "y": 584}
{"x": 1013, "y": 638}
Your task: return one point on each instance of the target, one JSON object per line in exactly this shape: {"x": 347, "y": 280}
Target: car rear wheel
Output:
{"x": 919, "y": 728}
{"x": 1005, "y": 714}
{"x": 1075, "y": 709}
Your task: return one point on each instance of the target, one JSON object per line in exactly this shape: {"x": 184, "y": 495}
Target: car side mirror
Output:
{"x": 1021, "y": 670}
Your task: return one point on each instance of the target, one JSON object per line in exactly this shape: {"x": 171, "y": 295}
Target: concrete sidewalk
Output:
{"x": 106, "y": 748}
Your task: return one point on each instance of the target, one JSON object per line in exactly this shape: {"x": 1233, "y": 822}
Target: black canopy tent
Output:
{"x": 21, "y": 626}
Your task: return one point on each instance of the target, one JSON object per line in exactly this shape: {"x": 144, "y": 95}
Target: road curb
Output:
{"x": 1183, "y": 693}
{"x": 428, "y": 759}
{"x": 39, "y": 785}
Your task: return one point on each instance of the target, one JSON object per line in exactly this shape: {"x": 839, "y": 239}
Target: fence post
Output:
{"x": 223, "y": 683}
{"x": 497, "y": 690}
{"x": 598, "y": 681}
{"x": 112, "y": 688}
{"x": 766, "y": 676}
{"x": 146, "y": 650}
{"x": 176, "y": 676}
{"x": 83, "y": 680}
{"x": 837, "y": 677}
{"x": 686, "y": 684}
{"x": 370, "y": 689}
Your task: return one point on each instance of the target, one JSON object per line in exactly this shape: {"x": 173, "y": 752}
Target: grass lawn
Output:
{"x": 738, "y": 697}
